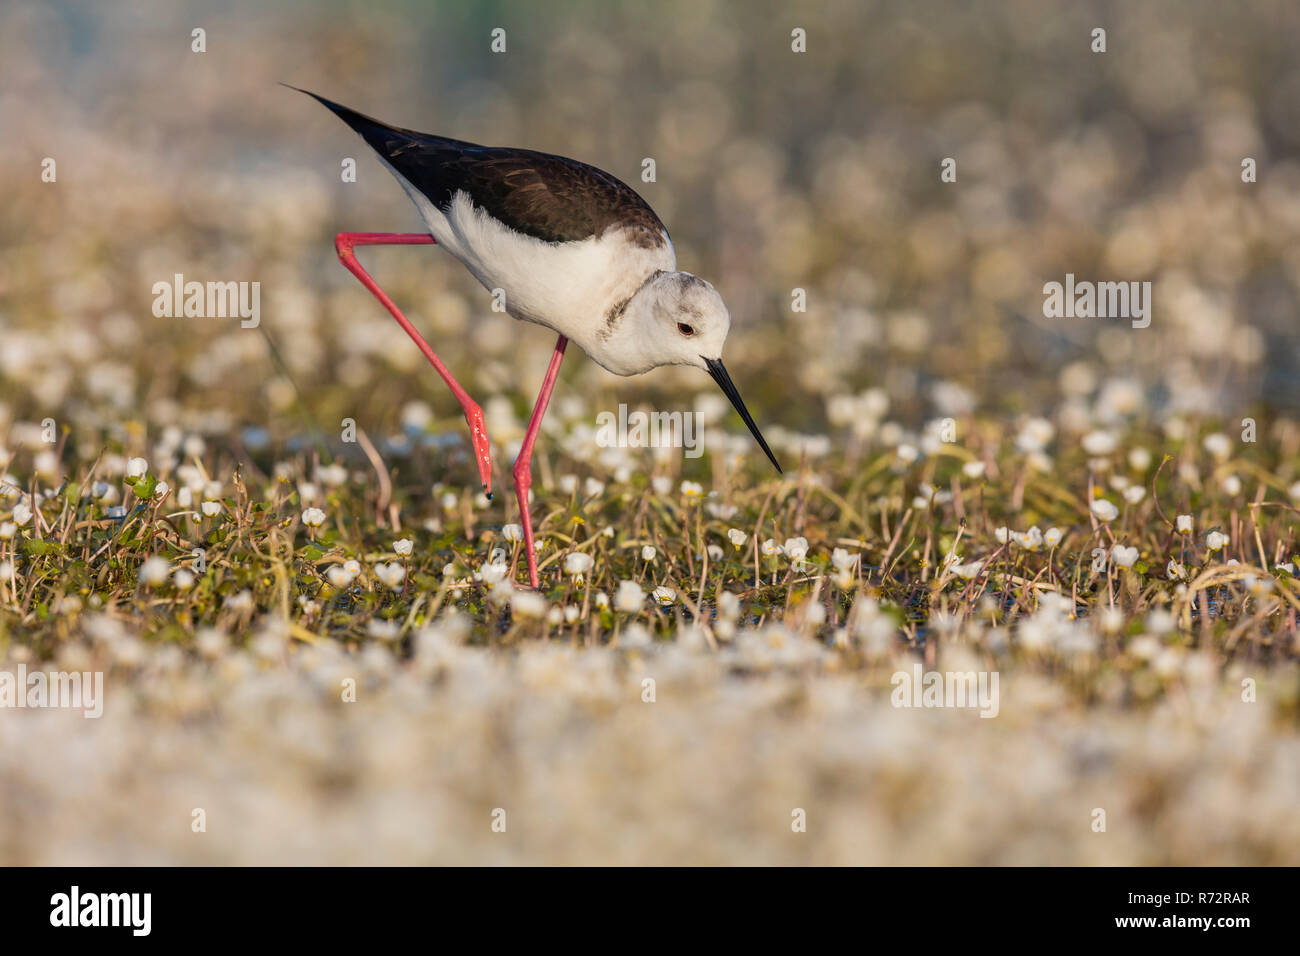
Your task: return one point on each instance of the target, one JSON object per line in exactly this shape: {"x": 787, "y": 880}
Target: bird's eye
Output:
{"x": 685, "y": 329}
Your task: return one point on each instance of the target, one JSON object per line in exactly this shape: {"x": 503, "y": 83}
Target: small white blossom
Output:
{"x": 1124, "y": 557}
{"x": 1104, "y": 510}
{"x": 313, "y": 517}
{"x": 154, "y": 571}
{"x": 577, "y": 564}
{"x": 664, "y": 596}
{"x": 390, "y": 574}
{"x": 528, "y": 604}
{"x": 629, "y": 597}
{"x": 403, "y": 546}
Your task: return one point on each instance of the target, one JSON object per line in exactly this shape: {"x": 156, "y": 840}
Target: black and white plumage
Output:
{"x": 572, "y": 247}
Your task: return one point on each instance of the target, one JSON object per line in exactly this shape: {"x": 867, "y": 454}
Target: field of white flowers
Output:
{"x": 318, "y": 650}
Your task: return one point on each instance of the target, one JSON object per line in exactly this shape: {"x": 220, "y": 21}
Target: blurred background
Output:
{"x": 775, "y": 171}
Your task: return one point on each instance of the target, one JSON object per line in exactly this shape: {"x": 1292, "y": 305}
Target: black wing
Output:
{"x": 551, "y": 198}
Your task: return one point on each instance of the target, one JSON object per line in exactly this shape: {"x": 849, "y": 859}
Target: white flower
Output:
{"x": 601, "y": 599}
{"x": 1031, "y": 540}
{"x": 769, "y": 548}
{"x": 341, "y": 575}
{"x": 571, "y": 613}
{"x": 577, "y": 564}
{"x": 528, "y": 604}
{"x": 1124, "y": 557}
{"x": 1174, "y": 570}
{"x": 1002, "y": 534}
{"x": 1134, "y": 494}
{"x": 629, "y": 597}
{"x": 662, "y": 485}
{"x": 736, "y": 537}
{"x": 154, "y": 571}
{"x": 183, "y": 579}
{"x": 1218, "y": 445}
{"x": 1104, "y": 509}
{"x": 7, "y": 530}
{"x": 648, "y": 552}
{"x": 723, "y": 512}
{"x": 136, "y": 467}
{"x": 512, "y": 532}
{"x": 7, "y": 571}
{"x": 796, "y": 549}
{"x": 1034, "y": 435}
{"x": 973, "y": 469}
{"x": 1053, "y": 537}
{"x": 1139, "y": 459}
{"x": 664, "y": 596}
{"x": 160, "y": 490}
{"x": 1216, "y": 540}
{"x": 390, "y": 574}
{"x": 715, "y": 552}
{"x": 692, "y": 490}
{"x": 449, "y": 501}
{"x": 1232, "y": 485}
{"x": 1184, "y": 524}
{"x": 22, "y": 514}
{"x": 1099, "y": 442}
{"x": 403, "y": 546}
{"x": 491, "y": 572}
{"x": 591, "y": 487}
{"x": 313, "y": 517}
{"x": 211, "y": 508}
{"x": 844, "y": 560}
{"x": 907, "y": 453}
{"x": 968, "y": 571}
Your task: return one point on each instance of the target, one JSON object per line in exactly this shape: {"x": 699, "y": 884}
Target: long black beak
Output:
{"x": 719, "y": 373}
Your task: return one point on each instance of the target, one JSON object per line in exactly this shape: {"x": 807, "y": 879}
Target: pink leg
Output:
{"x": 523, "y": 470}
{"x": 344, "y": 242}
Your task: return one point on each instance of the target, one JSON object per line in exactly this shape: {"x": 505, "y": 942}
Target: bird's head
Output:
{"x": 680, "y": 319}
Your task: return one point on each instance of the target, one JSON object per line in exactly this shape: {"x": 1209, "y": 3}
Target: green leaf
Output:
{"x": 37, "y": 548}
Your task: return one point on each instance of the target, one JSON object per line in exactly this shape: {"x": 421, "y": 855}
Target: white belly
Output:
{"x": 567, "y": 287}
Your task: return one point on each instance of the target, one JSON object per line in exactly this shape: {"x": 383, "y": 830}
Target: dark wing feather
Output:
{"x": 551, "y": 198}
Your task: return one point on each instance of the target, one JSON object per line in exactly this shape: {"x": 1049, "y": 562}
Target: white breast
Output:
{"x": 568, "y": 287}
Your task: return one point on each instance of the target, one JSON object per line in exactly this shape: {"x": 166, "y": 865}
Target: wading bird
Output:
{"x": 572, "y": 248}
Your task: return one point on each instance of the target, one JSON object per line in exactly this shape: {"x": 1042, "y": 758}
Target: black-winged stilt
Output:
{"x": 573, "y": 249}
